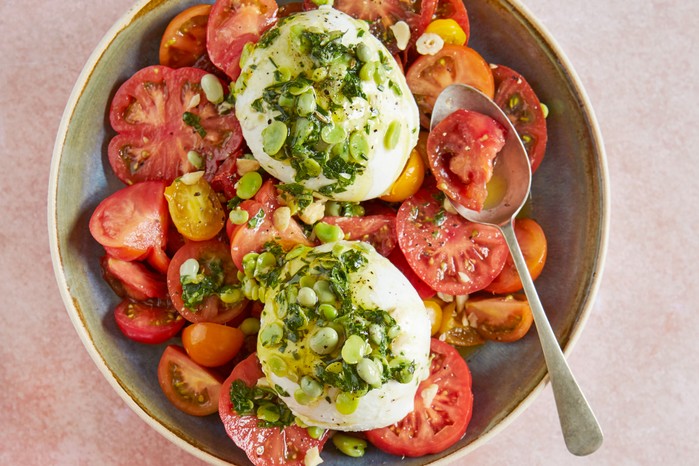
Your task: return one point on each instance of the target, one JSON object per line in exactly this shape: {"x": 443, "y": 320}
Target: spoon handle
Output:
{"x": 581, "y": 431}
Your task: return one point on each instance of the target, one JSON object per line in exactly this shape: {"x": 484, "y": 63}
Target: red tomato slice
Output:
{"x": 449, "y": 253}
{"x": 378, "y": 230}
{"x": 149, "y": 112}
{"x": 430, "y": 74}
{"x": 209, "y": 254}
{"x": 189, "y": 386}
{"x": 381, "y": 15}
{"x": 234, "y": 23}
{"x": 132, "y": 222}
{"x": 184, "y": 39}
{"x": 423, "y": 289}
{"x": 265, "y": 446}
{"x": 532, "y": 242}
{"x": 461, "y": 150}
{"x": 253, "y": 235}
{"x": 226, "y": 177}
{"x": 433, "y": 428}
{"x": 520, "y": 103}
{"x": 133, "y": 279}
{"x": 147, "y": 322}
{"x": 289, "y": 9}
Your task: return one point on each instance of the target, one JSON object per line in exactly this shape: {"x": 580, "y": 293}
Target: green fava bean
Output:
{"x": 392, "y": 136}
{"x": 327, "y": 233}
{"x": 349, "y": 445}
{"x": 274, "y": 137}
{"x": 248, "y": 185}
{"x": 358, "y": 145}
{"x": 324, "y": 340}
{"x": 306, "y": 104}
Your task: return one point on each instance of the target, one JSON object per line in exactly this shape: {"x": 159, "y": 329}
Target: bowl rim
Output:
{"x": 142, "y": 7}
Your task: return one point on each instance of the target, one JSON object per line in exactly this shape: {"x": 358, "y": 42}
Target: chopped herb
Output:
{"x": 268, "y": 38}
{"x": 190, "y": 119}
{"x": 246, "y": 401}
{"x": 256, "y": 220}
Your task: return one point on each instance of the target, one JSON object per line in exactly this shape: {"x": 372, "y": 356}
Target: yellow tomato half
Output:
{"x": 449, "y": 30}
{"x": 195, "y": 208}
{"x": 409, "y": 180}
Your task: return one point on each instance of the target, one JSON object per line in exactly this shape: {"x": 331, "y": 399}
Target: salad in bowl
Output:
{"x": 275, "y": 241}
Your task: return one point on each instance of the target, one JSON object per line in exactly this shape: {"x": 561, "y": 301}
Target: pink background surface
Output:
{"x": 636, "y": 359}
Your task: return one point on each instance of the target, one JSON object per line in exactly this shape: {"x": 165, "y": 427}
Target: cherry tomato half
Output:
{"x": 455, "y": 331}
{"x": 409, "y": 180}
{"x": 532, "y": 242}
{"x": 184, "y": 39}
{"x": 264, "y": 446}
{"x": 133, "y": 279}
{"x": 434, "y": 427}
{"x": 210, "y": 344}
{"x": 195, "y": 209}
{"x": 147, "y": 323}
{"x": 502, "y": 318}
{"x": 190, "y": 387}
{"x": 430, "y": 74}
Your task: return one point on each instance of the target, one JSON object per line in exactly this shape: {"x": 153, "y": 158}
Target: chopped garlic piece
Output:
{"x": 429, "y": 44}
{"x": 313, "y": 213}
{"x": 312, "y": 457}
{"x": 429, "y": 393}
{"x": 401, "y": 31}
{"x": 282, "y": 218}
{"x": 194, "y": 101}
{"x": 244, "y": 166}
{"x": 192, "y": 177}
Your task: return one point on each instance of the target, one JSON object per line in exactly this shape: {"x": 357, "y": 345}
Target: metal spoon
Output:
{"x": 581, "y": 431}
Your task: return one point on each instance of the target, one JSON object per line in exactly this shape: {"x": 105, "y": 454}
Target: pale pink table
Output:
{"x": 637, "y": 359}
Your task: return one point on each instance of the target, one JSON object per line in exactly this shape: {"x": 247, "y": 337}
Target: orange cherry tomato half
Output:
{"x": 502, "y": 318}
{"x": 210, "y": 344}
{"x": 184, "y": 40}
{"x": 455, "y": 330}
{"x": 532, "y": 241}
{"x": 409, "y": 181}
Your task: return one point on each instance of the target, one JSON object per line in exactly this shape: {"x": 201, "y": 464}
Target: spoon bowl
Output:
{"x": 581, "y": 431}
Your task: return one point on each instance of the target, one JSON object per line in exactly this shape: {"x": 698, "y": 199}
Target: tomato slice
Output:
{"x": 212, "y": 344}
{"x": 447, "y": 9}
{"x": 226, "y": 177}
{"x": 532, "y": 242}
{"x": 161, "y": 114}
{"x": 443, "y": 408}
{"x": 132, "y": 222}
{"x": 265, "y": 446}
{"x": 147, "y": 322}
{"x": 190, "y": 387}
{"x": 430, "y": 74}
{"x": 133, "y": 279}
{"x": 184, "y": 39}
{"x": 216, "y": 277}
{"x": 461, "y": 150}
{"x": 234, "y": 23}
{"x": 501, "y": 318}
{"x": 423, "y": 289}
{"x": 381, "y": 15}
{"x": 449, "y": 253}
{"x": 260, "y": 229}
{"x": 520, "y": 103}
{"x": 378, "y": 230}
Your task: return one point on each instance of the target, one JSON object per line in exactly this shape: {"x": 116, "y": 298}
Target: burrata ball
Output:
{"x": 323, "y": 103}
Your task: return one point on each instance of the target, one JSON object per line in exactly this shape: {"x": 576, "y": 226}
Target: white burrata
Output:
{"x": 375, "y": 285}
{"x": 384, "y": 120}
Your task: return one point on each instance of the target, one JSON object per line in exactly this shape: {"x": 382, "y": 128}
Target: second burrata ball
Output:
{"x": 344, "y": 337}
{"x": 323, "y": 103}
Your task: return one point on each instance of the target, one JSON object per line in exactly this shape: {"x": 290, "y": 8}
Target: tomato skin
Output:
{"x": 532, "y": 242}
{"x": 147, "y": 322}
{"x": 246, "y": 238}
{"x": 430, "y": 74}
{"x": 461, "y": 150}
{"x": 234, "y": 23}
{"x": 526, "y": 115}
{"x": 378, "y": 230}
{"x": 226, "y": 177}
{"x": 133, "y": 279}
{"x": 453, "y": 331}
{"x": 192, "y": 388}
{"x": 184, "y": 39}
{"x": 210, "y": 344}
{"x": 153, "y": 141}
{"x": 449, "y": 253}
{"x": 132, "y": 221}
{"x": 264, "y": 446}
{"x": 212, "y": 309}
{"x": 432, "y": 429}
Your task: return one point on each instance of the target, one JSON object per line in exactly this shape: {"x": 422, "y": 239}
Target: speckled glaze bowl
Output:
{"x": 570, "y": 200}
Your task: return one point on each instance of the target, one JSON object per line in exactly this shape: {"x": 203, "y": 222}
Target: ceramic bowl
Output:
{"x": 569, "y": 197}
